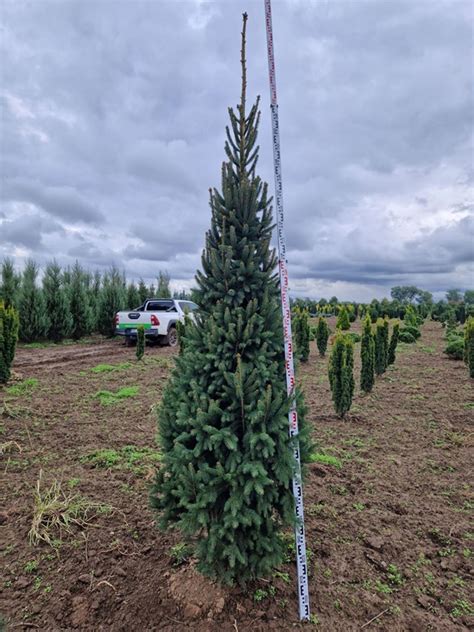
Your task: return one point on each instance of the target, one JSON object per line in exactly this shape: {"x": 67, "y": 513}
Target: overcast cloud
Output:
{"x": 113, "y": 125}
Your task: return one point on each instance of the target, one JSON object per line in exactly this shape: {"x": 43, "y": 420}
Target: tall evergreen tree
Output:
{"x": 343, "y": 322}
{"x": 57, "y": 303}
{"x": 469, "y": 345}
{"x": 341, "y": 373}
{"x": 227, "y": 459}
{"x": 133, "y": 296}
{"x": 9, "y": 323}
{"x": 393, "y": 343}
{"x": 31, "y": 307}
{"x": 301, "y": 333}
{"x": 79, "y": 304}
{"x": 112, "y": 300}
{"x": 163, "y": 289}
{"x": 380, "y": 347}
{"x": 142, "y": 291}
{"x": 10, "y": 284}
{"x": 367, "y": 354}
{"x": 322, "y": 335}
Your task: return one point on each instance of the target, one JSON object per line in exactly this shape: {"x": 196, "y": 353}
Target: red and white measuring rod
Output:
{"x": 301, "y": 564}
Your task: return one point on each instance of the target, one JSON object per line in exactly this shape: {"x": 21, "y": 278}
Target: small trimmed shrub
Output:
{"x": 341, "y": 373}
{"x": 140, "y": 350}
{"x": 9, "y": 323}
{"x": 414, "y": 331}
{"x": 343, "y": 321}
{"x": 393, "y": 343}
{"x": 455, "y": 349}
{"x": 406, "y": 336}
{"x": 322, "y": 335}
{"x": 354, "y": 337}
{"x": 380, "y": 347}
{"x": 468, "y": 351}
{"x": 301, "y": 333}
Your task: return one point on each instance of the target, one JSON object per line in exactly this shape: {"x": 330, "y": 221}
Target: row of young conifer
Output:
{"x": 71, "y": 302}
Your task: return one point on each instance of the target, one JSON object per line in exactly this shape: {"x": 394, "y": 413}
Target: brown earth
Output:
{"x": 387, "y": 523}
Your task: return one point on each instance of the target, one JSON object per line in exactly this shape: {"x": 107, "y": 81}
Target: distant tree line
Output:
{"x": 72, "y": 302}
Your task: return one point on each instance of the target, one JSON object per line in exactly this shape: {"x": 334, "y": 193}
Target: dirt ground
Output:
{"x": 388, "y": 502}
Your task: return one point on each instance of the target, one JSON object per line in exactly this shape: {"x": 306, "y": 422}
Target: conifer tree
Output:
{"x": 322, "y": 335}
{"x": 112, "y": 300}
{"x": 142, "y": 291}
{"x": 367, "y": 354}
{"x": 9, "y": 324}
{"x": 152, "y": 292}
{"x": 469, "y": 345}
{"x": 227, "y": 461}
{"x": 341, "y": 373}
{"x": 133, "y": 296}
{"x": 140, "y": 350}
{"x": 386, "y": 338}
{"x": 163, "y": 289}
{"x": 10, "y": 284}
{"x": 57, "y": 303}
{"x": 380, "y": 347}
{"x": 301, "y": 334}
{"x": 31, "y": 307}
{"x": 93, "y": 296}
{"x": 79, "y": 304}
{"x": 343, "y": 322}
{"x": 393, "y": 343}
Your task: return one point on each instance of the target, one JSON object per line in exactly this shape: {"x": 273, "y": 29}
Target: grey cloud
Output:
{"x": 28, "y": 231}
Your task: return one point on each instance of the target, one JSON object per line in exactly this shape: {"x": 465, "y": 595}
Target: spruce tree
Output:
{"x": 133, "y": 296}
{"x": 341, "y": 373}
{"x": 227, "y": 459}
{"x": 10, "y": 284}
{"x": 386, "y": 338}
{"x": 79, "y": 304}
{"x": 343, "y": 322}
{"x": 57, "y": 303}
{"x": 112, "y": 300}
{"x": 322, "y": 335}
{"x": 469, "y": 345}
{"x": 301, "y": 334}
{"x": 367, "y": 354}
{"x": 393, "y": 343}
{"x": 31, "y": 307}
{"x": 140, "y": 350}
{"x": 9, "y": 324}
{"x": 163, "y": 288}
{"x": 142, "y": 291}
{"x": 380, "y": 347}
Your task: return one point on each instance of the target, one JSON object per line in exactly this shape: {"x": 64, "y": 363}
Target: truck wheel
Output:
{"x": 172, "y": 337}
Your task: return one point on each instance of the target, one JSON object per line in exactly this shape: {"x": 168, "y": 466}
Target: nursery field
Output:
{"x": 388, "y": 501}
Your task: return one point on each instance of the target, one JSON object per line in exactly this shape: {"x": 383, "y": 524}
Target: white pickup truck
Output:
{"x": 158, "y": 316}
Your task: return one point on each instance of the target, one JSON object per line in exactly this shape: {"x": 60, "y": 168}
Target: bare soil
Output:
{"x": 387, "y": 521}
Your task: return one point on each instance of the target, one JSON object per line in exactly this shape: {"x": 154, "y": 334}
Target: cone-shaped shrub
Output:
{"x": 57, "y": 303}
{"x": 386, "y": 338}
{"x": 322, "y": 335}
{"x": 9, "y": 324}
{"x": 301, "y": 334}
{"x": 392, "y": 348}
{"x": 142, "y": 291}
{"x": 31, "y": 307}
{"x": 140, "y": 350}
{"x": 112, "y": 300}
{"x": 227, "y": 462}
{"x": 133, "y": 296}
{"x": 79, "y": 305}
{"x": 10, "y": 284}
{"x": 367, "y": 354}
{"x": 380, "y": 347}
{"x": 343, "y": 321}
{"x": 341, "y": 373}
{"x": 469, "y": 345}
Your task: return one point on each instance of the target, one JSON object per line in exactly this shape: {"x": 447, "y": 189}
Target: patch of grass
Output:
{"x": 326, "y": 459}
{"x": 383, "y": 588}
{"x": 31, "y": 567}
{"x": 109, "y": 368}
{"x": 181, "y": 553}
{"x": 130, "y": 457}
{"x": 108, "y": 398}
{"x": 462, "y": 607}
{"x": 394, "y": 576}
{"x": 56, "y": 513}
{"x": 260, "y": 594}
{"x": 359, "y": 506}
{"x": 23, "y": 388}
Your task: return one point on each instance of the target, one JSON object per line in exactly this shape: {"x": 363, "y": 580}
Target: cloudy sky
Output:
{"x": 113, "y": 124}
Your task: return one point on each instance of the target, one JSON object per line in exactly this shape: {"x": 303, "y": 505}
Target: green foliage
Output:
{"x": 343, "y": 321}
{"x": 380, "y": 347}
{"x": 414, "y": 331}
{"x": 133, "y": 296}
{"x": 410, "y": 318}
{"x": 31, "y": 307}
{"x": 109, "y": 368}
{"x": 130, "y": 457}
{"x": 163, "y": 289}
{"x": 228, "y": 462}
{"x": 341, "y": 373}
{"x": 80, "y": 311}
{"x": 140, "y": 349}
{"x": 57, "y": 304}
{"x": 455, "y": 349}
{"x": 406, "y": 336}
{"x": 322, "y": 335}
{"x": 367, "y": 354}
{"x": 9, "y": 324}
{"x": 142, "y": 291}
{"x": 181, "y": 553}
{"x": 180, "y": 331}
{"x": 107, "y": 398}
{"x": 326, "y": 459}
{"x": 10, "y": 284}
{"x": 301, "y": 333}
{"x": 112, "y": 300}
{"x": 23, "y": 388}
{"x": 468, "y": 351}
{"x": 354, "y": 336}
{"x": 393, "y": 343}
